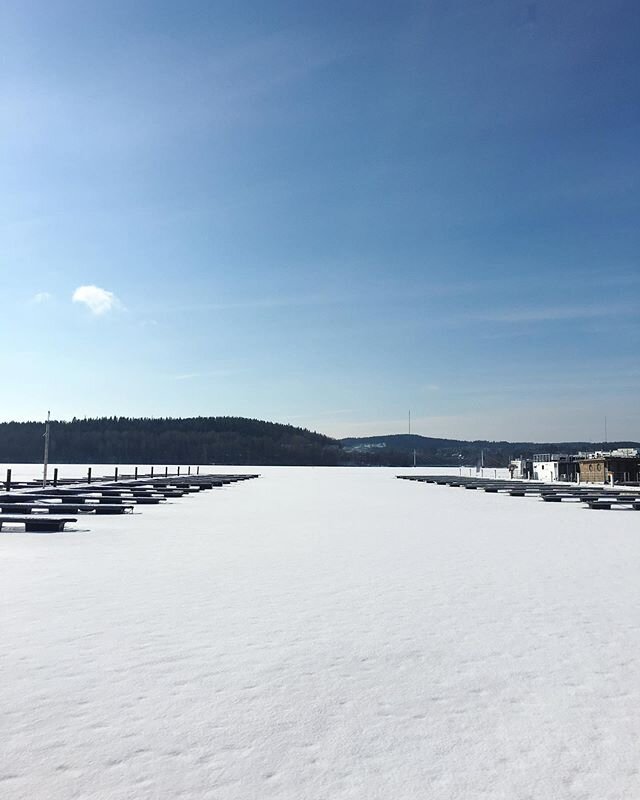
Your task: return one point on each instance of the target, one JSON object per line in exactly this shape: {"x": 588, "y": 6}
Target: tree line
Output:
{"x": 197, "y": 440}
{"x": 238, "y": 440}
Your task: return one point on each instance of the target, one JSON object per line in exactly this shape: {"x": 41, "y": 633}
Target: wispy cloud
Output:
{"x": 98, "y": 301}
{"x": 557, "y": 312}
{"x": 160, "y": 88}
{"x": 263, "y": 302}
{"x": 312, "y": 416}
{"x": 40, "y": 298}
{"x": 214, "y": 373}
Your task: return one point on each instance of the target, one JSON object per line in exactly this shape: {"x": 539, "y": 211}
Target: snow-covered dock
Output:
{"x": 324, "y": 634}
{"x": 593, "y": 496}
{"x": 37, "y": 505}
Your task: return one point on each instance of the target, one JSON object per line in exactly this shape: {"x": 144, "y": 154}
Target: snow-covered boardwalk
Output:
{"x": 324, "y": 634}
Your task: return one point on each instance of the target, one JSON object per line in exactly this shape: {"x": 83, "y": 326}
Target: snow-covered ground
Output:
{"x": 324, "y": 634}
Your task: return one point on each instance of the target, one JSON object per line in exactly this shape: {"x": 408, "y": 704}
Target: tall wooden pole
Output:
{"x": 46, "y": 451}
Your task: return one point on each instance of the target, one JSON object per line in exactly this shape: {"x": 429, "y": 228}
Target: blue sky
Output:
{"x": 324, "y": 213}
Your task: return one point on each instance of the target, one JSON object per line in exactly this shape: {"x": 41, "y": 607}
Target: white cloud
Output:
{"x": 41, "y": 297}
{"x": 552, "y": 313}
{"x": 98, "y": 301}
{"x": 216, "y": 373}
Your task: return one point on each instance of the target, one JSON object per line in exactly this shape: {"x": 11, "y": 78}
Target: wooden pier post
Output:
{"x": 55, "y": 476}
{"x": 152, "y": 472}
{"x": 8, "y": 481}
{"x": 178, "y": 471}
{"x": 166, "y": 472}
{"x": 135, "y": 474}
{"x": 115, "y": 474}
{"x": 89, "y": 475}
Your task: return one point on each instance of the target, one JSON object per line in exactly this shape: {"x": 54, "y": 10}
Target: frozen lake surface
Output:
{"x": 324, "y": 634}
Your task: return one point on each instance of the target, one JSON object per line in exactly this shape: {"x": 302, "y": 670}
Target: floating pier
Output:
{"x": 591, "y": 496}
{"x": 37, "y": 509}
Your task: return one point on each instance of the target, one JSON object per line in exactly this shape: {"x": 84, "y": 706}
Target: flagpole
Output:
{"x": 46, "y": 451}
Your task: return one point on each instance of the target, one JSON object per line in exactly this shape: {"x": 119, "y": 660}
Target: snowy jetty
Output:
{"x": 595, "y": 497}
{"x": 324, "y": 634}
{"x": 37, "y": 507}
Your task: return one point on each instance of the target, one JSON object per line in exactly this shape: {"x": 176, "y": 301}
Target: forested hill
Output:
{"x": 397, "y": 450}
{"x": 198, "y": 440}
{"x": 236, "y": 440}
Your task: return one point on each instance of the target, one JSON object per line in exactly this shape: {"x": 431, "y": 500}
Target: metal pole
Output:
{"x": 46, "y": 451}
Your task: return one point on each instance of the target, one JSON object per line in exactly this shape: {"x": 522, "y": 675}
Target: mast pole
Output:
{"x": 46, "y": 451}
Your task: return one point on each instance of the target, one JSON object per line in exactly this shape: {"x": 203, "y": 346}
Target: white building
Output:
{"x": 520, "y": 468}
{"x": 551, "y": 467}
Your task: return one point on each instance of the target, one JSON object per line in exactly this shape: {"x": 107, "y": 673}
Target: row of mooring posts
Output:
{"x": 39, "y": 509}
{"x": 54, "y": 482}
{"x": 151, "y": 473}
